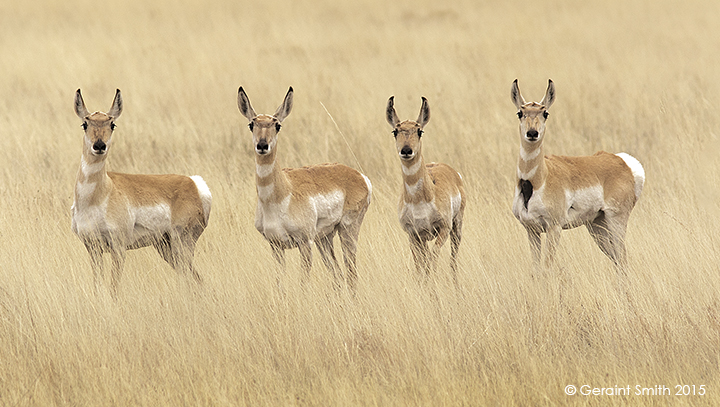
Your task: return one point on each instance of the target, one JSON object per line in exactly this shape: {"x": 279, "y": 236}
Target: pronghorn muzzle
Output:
{"x": 262, "y": 147}
{"x": 407, "y": 153}
{"x": 99, "y": 147}
{"x": 532, "y": 135}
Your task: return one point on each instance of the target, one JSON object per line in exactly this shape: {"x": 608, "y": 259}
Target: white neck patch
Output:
{"x": 263, "y": 170}
{"x": 414, "y": 188}
{"x": 527, "y": 175}
{"x": 412, "y": 170}
{"x": 90, "y": 169}
{"x": 529, "y": 156}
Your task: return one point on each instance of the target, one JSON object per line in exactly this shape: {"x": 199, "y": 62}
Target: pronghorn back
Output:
{"x": 189, "y": 197}
{"x": 326, "y": 178}
{"x": 604, "y": 169}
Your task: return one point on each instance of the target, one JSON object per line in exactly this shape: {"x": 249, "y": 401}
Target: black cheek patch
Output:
{"x": 526, "y": 189}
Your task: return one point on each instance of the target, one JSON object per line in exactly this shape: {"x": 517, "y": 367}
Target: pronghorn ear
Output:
{"x": 549, "y": 95}
{"x": 244, "y": 105}
{"x": 117, "y": 105}
{"x": 284, "y": 110}
{"x": 424, "y": 116}
{"x": 390, "y": 113}
{"x": 80, "y": 109}
{"x": 517, "y": 98}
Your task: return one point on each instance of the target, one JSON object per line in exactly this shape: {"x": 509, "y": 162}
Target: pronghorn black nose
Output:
{"x": 99, "y": 147}
{"x": 406, "y": 151}
{"x": 262, "y": 147}
{"x": 532, "y": 134}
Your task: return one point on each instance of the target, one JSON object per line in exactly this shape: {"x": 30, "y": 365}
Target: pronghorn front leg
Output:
{"x": 442, "y": 236}
{"x": 96, "y": 262}
{"x": 535, "y": 247}
{"x": 419, "y": 252}
{"x": 117, "y": 252}
{"x": 306, "y": 255}
{"x": 553, "y": 238}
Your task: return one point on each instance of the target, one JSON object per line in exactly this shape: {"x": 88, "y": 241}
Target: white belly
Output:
{"x": 149, "y": 221}
{"x": 580, "y": 207}
{"x": 292, "y": 222}
{"x": 328, "y": 210}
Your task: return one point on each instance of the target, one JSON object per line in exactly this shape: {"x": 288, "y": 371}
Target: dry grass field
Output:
{"x": 638, "y": 76}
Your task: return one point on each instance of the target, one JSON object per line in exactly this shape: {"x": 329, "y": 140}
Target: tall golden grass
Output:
{"x": 631, "y": 75}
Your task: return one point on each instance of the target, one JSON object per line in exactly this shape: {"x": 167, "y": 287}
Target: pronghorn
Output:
{"x": 556, "y": 192}
{"x": 432, "y": 202}
{"x": 302, "y": 206}
{"x": 115, "y": 212}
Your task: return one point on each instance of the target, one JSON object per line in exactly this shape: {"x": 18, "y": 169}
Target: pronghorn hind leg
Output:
{"x": 442, "y": 237}
{"x": 609, "y": 234}
{"x": 182, "y": 247}
{"x": 162, "y": 245}
{"x": 455, "y": 238}
{"x": 617, "y": 226}
{"x": 598, "y": 229}
{"x": 348, "y": 241}
{"x": 327, "y": 253}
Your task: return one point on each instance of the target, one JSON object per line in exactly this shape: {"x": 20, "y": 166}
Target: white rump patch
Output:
{"x": 455, "y": 202}
{"x": 369, "y": 187}
{"x": 205, "y": 195}
{"x": 637, "y": 170}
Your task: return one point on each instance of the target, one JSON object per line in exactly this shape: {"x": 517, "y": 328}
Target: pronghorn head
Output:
{"x": 264, "y": 127}
{"x": 408, "y": 134}
{"x": 98, "y": 126}
{"x": 533, "y": 115}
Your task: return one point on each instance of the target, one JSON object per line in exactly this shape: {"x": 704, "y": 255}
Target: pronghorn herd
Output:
{"x": 302, "y": 207}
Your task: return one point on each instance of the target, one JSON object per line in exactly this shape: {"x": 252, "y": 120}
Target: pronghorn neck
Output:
{"x": 272, "y": 183}
{"x": 531, "y": 164}
{"x": 92, "y": 183}
{"x": 416, "y": 180}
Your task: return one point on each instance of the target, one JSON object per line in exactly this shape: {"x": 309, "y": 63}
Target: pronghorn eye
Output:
{"x": 546, "y": 114}
{"x": 520, "y": 114}
{"x": 251, "y": 125}
{"x": 395, "y": 133}
{"x": 420, "y": 132}
{"x": 84, "y": 125}
{"x": 112, "y": 126}
{"x": 277, "y": 126}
